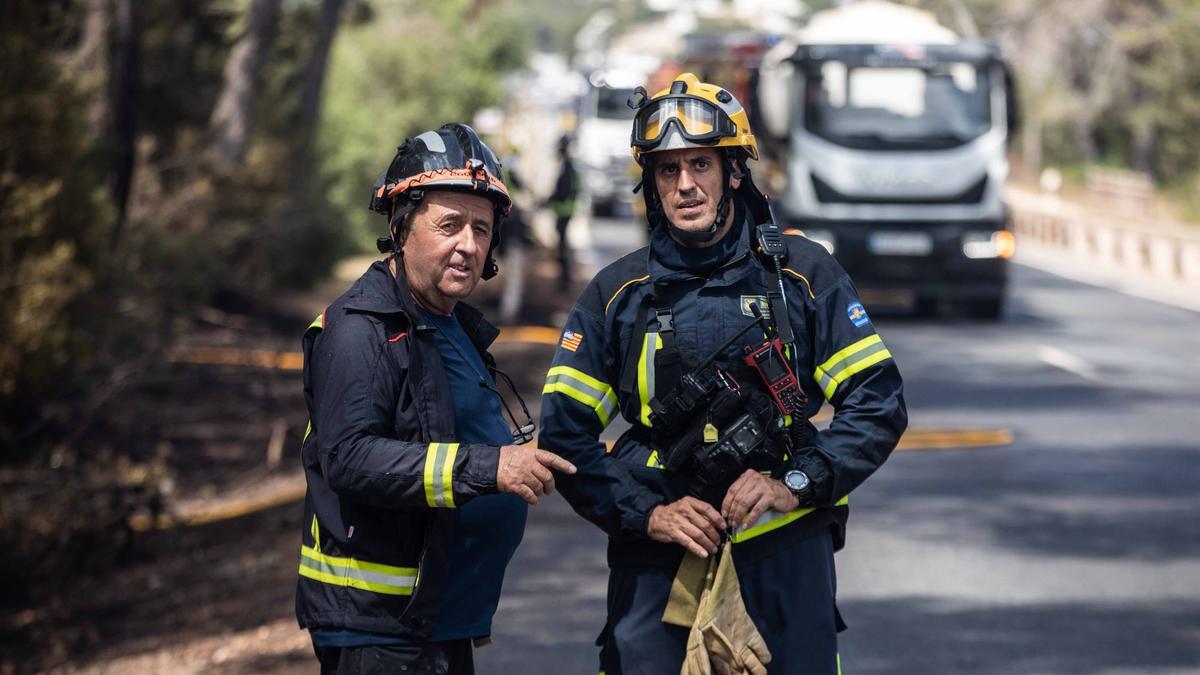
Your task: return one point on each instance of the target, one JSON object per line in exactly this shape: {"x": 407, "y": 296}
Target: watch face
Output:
{"x": 795, "y": 480}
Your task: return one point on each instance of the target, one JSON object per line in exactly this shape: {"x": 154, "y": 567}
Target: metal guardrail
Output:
{"x": 1161, "y": 250}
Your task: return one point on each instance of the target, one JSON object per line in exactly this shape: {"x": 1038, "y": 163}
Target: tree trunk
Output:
{"x": 92, "y": 63}
{"x": 123, "y": 91}
{"x": 232, "y": 118}
{"x": 308, "y": 115}
{"x": 1084, "y": 140}
{"x": 1141, "y": 149}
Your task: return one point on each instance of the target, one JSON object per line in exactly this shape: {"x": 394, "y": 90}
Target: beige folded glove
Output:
{"x": 706, "y": 598}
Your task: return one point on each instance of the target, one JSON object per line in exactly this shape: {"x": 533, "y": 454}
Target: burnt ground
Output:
{"x": 196, "y": 438}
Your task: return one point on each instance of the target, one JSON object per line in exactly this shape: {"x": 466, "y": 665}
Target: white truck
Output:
{"x": 891, "y": 133}
{"x": 601, "y": 144}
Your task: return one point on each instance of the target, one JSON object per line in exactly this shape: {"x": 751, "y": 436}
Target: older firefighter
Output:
{"x": 717, "y": 343}
{"x": 415, "y": 483}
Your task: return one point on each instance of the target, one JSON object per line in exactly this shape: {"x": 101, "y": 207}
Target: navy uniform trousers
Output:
{"x": 790, "y": 594}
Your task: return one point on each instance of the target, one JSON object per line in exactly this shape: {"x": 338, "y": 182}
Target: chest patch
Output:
{"x": 760, "y": 300}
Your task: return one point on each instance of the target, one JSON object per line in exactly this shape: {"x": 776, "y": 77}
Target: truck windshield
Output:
{"x": 611, "y": 103}
{"x": 897, "y": 107}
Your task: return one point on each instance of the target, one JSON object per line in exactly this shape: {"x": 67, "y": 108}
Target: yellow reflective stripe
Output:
{"x": 351, "y": 573}
{"x": 645, "y": 374}
{"x": 430, "y": 497}
{"x": 439, "y": 473}
{"x": 839, "y": 663}
{"x": 307, "y": 431}
{"x": 583, "y": 388}
{"x": 771, "y": 521}
{"x": 653, "y": 461}
{"x": 318, "y": 322}
{"x": 448, "y": 473}
{"x": 316, "y": 533}
{"x": 577, "y": 374}
{"x": 848, "y": 362}
{"x": 856, "y": 347}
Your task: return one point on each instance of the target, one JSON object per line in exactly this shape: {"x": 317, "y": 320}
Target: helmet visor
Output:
{"x": 697, "y": 119}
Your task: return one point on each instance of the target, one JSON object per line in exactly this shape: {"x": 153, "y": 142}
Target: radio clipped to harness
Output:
{"x": 769, "y": 361}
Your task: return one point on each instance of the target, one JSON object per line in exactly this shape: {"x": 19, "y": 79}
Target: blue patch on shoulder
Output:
{"x": 858, "y": 314}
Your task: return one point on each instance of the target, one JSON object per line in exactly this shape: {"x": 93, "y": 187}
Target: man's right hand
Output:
{"x": 525, "y": 472}
{"x": 689, "y": 522}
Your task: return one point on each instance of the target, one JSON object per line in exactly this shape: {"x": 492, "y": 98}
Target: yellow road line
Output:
{"x": 224, "y": 356}
{"x": 542, "y": 335}
{"x": 940, "y": 439}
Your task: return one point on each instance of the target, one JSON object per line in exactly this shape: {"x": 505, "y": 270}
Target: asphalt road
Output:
{"x": 1075, "y": 549}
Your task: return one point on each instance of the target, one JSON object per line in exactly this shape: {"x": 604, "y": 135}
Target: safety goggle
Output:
{"x": 696, "y": 119}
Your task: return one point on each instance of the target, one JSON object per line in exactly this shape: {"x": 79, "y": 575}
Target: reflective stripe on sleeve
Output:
{"x": 850, "y": 361}
{"x": 772, "y": 520}
{"x": 439, "y": 472}
{"x": 645, "y": 374}
{"x": 584, "y": 388}
{"x": 352, "y": 573}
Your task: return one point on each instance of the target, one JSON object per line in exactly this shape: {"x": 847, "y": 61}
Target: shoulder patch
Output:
{"x": 571, "y": 340}
{"x": 857, "y": 314}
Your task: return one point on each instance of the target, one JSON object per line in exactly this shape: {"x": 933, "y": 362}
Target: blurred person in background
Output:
{"x": 715, "y": 463}
{"x": 513, "y": 247}
{"x": 562, "y": 202}
{"x": 417, "y": 490}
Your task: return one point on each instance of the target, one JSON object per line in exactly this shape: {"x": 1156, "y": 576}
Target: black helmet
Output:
{"x": 451, "y": 158}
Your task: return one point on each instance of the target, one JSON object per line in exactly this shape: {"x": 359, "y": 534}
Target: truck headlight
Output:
{"x": 980, "y": 245}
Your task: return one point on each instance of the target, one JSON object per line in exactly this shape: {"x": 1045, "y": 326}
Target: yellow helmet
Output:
{"x": 689, "y": 114}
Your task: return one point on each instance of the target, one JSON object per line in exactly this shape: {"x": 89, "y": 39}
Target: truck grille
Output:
{"x": 828, "y": 195}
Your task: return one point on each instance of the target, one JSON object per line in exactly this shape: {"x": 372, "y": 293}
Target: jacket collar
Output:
{"x": 378, "y": 292}
{"x": 663, "y": 254}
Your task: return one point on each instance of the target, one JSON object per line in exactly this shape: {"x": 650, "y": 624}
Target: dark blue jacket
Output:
{"x": 842, "y": 359}
{"x": 383, "y": 469}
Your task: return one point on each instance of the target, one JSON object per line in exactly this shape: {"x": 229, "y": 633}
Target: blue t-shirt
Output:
{"x": 489, "y": 527}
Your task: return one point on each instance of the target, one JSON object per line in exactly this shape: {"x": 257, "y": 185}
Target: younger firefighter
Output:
{"x": 661, "y": 337}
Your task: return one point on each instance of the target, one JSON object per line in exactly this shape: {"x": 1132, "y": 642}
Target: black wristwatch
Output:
{"x": 797, "y": 481}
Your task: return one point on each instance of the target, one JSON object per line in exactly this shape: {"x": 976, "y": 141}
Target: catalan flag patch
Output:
{"x": 571, "y": 340}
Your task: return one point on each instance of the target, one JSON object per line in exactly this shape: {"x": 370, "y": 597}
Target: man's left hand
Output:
{"x": 752, "y": 494}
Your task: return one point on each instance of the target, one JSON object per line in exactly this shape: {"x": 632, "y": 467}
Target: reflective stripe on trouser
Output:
{"x": 439, "y": 474}
{"x": 789, "y": 595}
{"x": 352, "y": 573}
{"x": 849, "y": 362}
{"x": 581, "y": 387}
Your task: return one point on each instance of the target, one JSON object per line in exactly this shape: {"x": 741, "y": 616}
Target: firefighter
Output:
{"x": 657, "y": 315}
{"x": 562, "y": 202}
{"x": 417, "y": 489}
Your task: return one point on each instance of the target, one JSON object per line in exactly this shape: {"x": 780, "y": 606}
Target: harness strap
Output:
{"x": 629, "y": 371}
